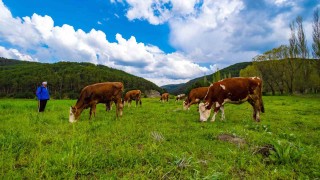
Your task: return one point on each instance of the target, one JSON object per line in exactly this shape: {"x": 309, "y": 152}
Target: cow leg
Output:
{"x": 92, "y": 111}
{"x": 108, "y": 106}
{"x": 216, "y": 110}
{"x": 256, "y": 108}
{"x": 222, "y": 113}
{"x": 117, "y": 108}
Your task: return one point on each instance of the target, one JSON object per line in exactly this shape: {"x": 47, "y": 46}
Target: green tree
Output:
{"x": 250, "y": 71}
{"x": 302, "y": 41}
{"x": 316, "y": 34}
{"x": 217, "y": 76}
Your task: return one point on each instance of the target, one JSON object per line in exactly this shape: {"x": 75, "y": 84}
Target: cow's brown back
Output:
{"x": 195, "y": 96}
{"x": 197, "y": 93}
{"x": 236, "y": 91}
{"x": 98, "y": 93}
{"x": 133, "y": 95}
{"x": 164, "y": 97}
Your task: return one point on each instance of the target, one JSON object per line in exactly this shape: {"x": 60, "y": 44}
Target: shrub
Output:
{"x": 285, "y": 153}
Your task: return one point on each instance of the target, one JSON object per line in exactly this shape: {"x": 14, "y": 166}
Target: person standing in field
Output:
{"x": 43, "y": 96}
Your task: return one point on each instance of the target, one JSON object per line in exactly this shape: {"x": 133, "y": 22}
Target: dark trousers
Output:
{"x": 42, "y": 105}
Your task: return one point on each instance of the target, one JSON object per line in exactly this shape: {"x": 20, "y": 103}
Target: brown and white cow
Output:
{"x": 180, "y": 97}
{"x": 164, "y": 97}
{"x": 132, "y": 95}
{"x": 93, "y": 94}
{"x": 195, "y": 96}
{"x": 236, "y": 91}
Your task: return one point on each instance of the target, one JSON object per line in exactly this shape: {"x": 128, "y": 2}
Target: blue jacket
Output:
{"x": 42, "y": 93}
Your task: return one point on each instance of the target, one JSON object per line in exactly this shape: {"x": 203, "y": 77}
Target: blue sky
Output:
{"x": 167, "y": 42}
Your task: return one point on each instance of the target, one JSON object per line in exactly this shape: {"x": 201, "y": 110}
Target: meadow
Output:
{"x": 160, "y": 141}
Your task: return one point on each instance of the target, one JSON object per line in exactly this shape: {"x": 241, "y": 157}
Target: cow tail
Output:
{"x": 261, "y": 104}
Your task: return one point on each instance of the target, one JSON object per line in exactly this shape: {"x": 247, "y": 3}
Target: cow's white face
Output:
{"x": 72, "y": 117}
{"x": 185, "y": 105}
{"x": 204, "y": 113}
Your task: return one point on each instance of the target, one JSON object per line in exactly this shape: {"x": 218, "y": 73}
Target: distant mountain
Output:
{"x": 172, "y": 87}
{"x": 232, "y": 71}
{"x": 19, "y": 79}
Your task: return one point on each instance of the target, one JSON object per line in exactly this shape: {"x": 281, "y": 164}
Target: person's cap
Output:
{"x": 44, "y": 83}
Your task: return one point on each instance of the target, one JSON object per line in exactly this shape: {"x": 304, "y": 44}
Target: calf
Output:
{"x": 180, "y": 96}
{"x": 164, "y": 97}
{"x": 132, "y": 95}
{"x": 236, "y": 91}
{"x": 195, "y": 96}
{"x": 93, "y": 94}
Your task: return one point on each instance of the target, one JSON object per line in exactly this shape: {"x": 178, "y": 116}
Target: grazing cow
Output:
{"x": 98, "y": 93}
{"x": 164, "y": 97}
{"x": 180, "y": 96}
{"x": 195, "y": 96}
{"x": 235, "y": 91}
{"x": 132, "y": 95}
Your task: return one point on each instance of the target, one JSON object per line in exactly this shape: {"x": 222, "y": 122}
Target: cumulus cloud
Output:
{"x": 14, "y": 54}
{"x": 221, "y": 31}
{"x": 215, "y": 33}
{"x": 50, "y": 43}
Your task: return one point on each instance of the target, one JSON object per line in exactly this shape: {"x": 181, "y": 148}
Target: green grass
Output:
{"x": 159, "y": 141}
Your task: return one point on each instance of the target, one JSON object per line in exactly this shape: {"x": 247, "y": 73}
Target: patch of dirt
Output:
{"x": 264, "y": 150}
{"x": 232, "y": 139}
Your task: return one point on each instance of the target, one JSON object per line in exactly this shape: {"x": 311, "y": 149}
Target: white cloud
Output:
{"x": 37, "y": 34}
{"x": 216, "y": 33}
{"x": 14, "y": 54}
{"x": 281, "y": 3}
{"x": 220, "y": 31}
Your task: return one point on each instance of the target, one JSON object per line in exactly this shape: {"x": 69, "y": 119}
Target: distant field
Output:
{"x": 160, "y": 141}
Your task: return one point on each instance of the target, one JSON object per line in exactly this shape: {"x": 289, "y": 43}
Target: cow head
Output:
{"x": 72, "y": 115}
{"x": 204, "y": 112}
{"x": 185, "y": 104}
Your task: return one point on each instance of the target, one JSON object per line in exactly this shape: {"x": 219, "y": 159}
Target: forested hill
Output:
{"x": 230, "y": 71}
{"x": 20, "y": 79}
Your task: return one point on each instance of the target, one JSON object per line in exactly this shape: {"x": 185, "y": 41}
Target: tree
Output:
{"x": 302, "y": 42}
{"x": 216, "y": 76}
{"x": 293, "y": 49}
{"x": 250, "y": 71}
{"x": 316, "y": 34}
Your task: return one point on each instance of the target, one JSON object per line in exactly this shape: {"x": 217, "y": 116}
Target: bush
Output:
{"x": 285, "y": 153}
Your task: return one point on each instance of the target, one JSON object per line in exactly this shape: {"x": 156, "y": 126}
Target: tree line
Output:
{"x": 291, "y": 68}
{"x": 19, "y": 79}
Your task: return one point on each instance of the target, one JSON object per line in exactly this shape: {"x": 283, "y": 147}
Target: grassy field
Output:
{"x": 160, "y": 141}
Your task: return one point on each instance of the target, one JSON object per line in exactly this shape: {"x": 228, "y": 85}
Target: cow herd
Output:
{"x": 230, "y": 90}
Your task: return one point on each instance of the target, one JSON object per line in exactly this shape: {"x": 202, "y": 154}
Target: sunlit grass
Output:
{"x": 159, "y": 141}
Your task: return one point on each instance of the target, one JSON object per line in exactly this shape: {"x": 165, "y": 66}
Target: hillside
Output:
{"x": 20, "y": 79}
{"x": 232, "y": 71}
